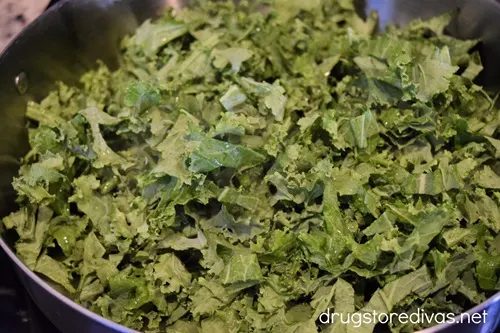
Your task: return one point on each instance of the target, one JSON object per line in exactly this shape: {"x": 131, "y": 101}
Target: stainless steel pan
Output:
{"x": 67, "y": 40}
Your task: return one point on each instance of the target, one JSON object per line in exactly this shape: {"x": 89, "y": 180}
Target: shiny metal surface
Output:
{"x": 68, "y": 39}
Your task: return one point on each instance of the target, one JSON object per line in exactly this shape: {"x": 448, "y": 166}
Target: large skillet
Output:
{"x": 67, "y": 40}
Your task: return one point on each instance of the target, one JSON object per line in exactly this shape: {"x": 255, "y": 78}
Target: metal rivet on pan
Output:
{"x": 21, "y": 82}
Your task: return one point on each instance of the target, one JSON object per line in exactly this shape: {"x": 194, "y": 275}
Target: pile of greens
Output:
{"x": 249, "y": 167}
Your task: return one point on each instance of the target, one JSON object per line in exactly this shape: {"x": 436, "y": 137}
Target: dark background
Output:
{"x": 18, "y": 314}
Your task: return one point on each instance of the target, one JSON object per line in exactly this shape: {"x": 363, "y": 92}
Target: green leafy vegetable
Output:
{"x": 249, "y": 167}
